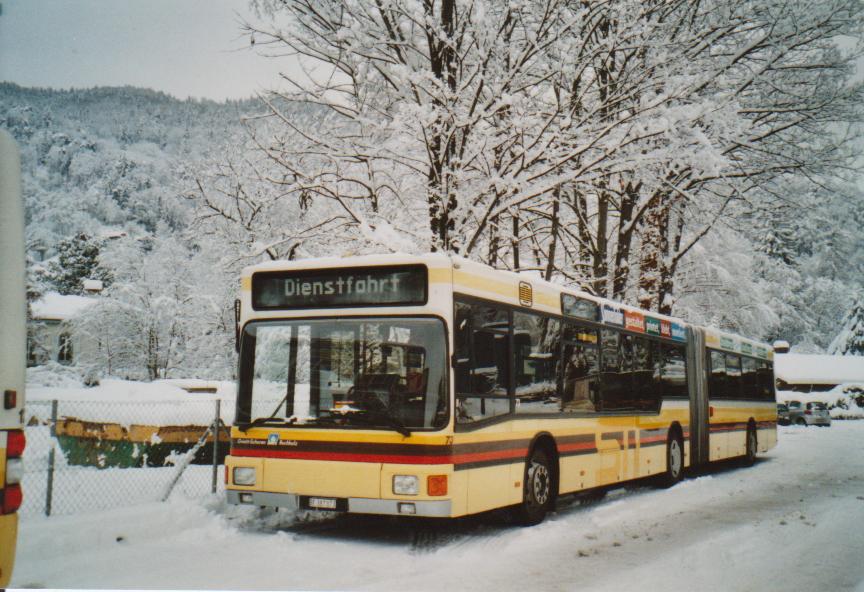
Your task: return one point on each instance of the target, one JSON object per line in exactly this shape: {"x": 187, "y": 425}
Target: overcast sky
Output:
{"x": 187, "y": 48}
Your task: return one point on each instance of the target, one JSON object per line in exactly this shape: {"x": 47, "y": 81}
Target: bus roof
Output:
{"x": 525, "y": 288}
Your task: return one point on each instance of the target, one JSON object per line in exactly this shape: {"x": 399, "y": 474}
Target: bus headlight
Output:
{"x": 244, "y": 475}
{"x": 405, "y": 484}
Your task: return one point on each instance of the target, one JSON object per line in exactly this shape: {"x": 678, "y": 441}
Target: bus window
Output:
{"x": 612, "y": 368}
{"x": 581, "y": 375}
{"x": 717, "y": 378}
{"x": 765, "y": 381}
{"x": 644, "y": 391}
{"x": 733, "y": 376}
{"x": 749, "y": 381}
{"x": 483, "y": 362}
{"x": 672, "y": 369}
{"x": 354, "y": 373}
{"x": 535, "y": 359}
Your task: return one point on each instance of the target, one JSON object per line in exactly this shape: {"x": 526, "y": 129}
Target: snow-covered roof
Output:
{"x": 815, "y": 369}
{"x": 59, "y": 307}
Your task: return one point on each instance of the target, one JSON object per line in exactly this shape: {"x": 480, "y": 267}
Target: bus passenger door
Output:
{"x": 698, "y": 390}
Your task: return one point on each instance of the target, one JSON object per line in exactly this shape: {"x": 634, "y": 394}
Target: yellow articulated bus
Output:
{"x": 435, "y": 386}
{"x": 13, "y": 340}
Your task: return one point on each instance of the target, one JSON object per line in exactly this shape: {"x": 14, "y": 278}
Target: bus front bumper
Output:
{"x": 352, "y": 505}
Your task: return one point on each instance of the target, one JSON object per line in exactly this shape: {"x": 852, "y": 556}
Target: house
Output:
{"x": 50, "y": 336}
{"x": 805, "y": 373}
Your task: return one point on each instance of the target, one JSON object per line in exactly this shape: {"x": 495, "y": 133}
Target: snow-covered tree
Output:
{"x": 850, "y": 340}
{"x": 77, "y": 260}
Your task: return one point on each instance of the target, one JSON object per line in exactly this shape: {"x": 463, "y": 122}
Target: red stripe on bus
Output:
{"x": 459, "y": 459}
{"x": 346, "y": 456}
{"x": 653, "y": 440}
{"x": 386, "y": 458}
{"x": 577, "y": 446}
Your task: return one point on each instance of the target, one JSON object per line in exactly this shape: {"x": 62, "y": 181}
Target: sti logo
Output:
{"x": 272, "y": 439}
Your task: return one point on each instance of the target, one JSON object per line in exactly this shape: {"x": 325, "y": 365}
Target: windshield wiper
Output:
{"x": 267, "y": 420}
{"x": 371, "y": 417}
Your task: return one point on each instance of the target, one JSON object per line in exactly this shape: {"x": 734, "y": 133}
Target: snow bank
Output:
{"x": 127, "y": 402}
{"x": 728, "y": 529}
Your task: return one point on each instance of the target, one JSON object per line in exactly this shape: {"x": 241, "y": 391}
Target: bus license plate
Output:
{"x": 322, "y": 503}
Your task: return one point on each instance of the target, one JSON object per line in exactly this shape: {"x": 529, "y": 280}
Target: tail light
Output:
{"x": 808, "y": 412}
{"x": 11, "y": 495}
{"x": 15, "y": 444}
{"x": 12, "y": 498}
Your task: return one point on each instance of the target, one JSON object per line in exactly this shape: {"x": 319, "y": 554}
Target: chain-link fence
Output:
{"x": 85, "y": 456}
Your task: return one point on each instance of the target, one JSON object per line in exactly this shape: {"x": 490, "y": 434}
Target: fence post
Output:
{"x": 216, "y": 445}
{"x": 49, "y": 490}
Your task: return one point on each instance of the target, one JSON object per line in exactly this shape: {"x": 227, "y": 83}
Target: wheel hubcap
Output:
{"x": 674, "y": 458}
{"x": 540, "y": 483}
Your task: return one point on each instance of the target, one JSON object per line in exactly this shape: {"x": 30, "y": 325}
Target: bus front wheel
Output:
{"x": 537, "y": 494}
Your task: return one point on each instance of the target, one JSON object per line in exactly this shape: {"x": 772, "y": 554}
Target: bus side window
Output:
{"x": 536, "y": 341}
{"x": 717, "y": 378}
{"x": 765, "y": 381}
{"x": 580, "y": 390}
{"x": 733, "y": 376}
{"x": 482, "y": 362}
{"x": 611, "y": 370}
{"x": 643, "y": 390}
{"x": 673, "y": 371}
{"x": 750, "y": 390}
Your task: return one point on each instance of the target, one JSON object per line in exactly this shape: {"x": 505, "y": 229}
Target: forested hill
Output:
{"x": 189, "y": 197}
{"x": 106, "y": 159}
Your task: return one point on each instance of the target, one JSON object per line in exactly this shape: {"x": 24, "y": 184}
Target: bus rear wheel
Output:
{"x": 537, "y": 493}
{"x": 674, "y": 461}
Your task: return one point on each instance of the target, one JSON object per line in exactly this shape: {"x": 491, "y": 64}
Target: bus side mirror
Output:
{"x": 237, "y": 325}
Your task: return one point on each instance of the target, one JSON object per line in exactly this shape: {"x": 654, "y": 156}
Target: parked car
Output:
{"x": 807, "y": 414}
{"x": 783, "y": 414}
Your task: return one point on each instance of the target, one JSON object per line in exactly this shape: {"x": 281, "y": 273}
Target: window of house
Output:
{"x": 64, "y": 350}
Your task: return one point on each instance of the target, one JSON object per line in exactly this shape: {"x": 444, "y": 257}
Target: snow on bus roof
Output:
{"x": 818, "y": 369}
{"x": 59, "y": 307}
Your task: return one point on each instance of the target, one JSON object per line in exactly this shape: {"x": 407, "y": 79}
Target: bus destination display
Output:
{"x": 360, "y": 286}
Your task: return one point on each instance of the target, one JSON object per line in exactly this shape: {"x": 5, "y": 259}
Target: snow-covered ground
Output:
{"x": 794, "y": 521}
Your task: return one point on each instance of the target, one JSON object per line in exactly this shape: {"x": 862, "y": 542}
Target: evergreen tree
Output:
{"x": 77, "y": 260}
{"x": 850, "y": 340}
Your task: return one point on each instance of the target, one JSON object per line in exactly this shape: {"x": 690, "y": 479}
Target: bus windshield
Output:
{"x": 381, "y": 373}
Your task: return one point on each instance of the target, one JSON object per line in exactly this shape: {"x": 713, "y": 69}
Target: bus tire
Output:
{"x": 537, "y": 494}
{"x": 674, "y": 460}
{"x": 751, "y": 447}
